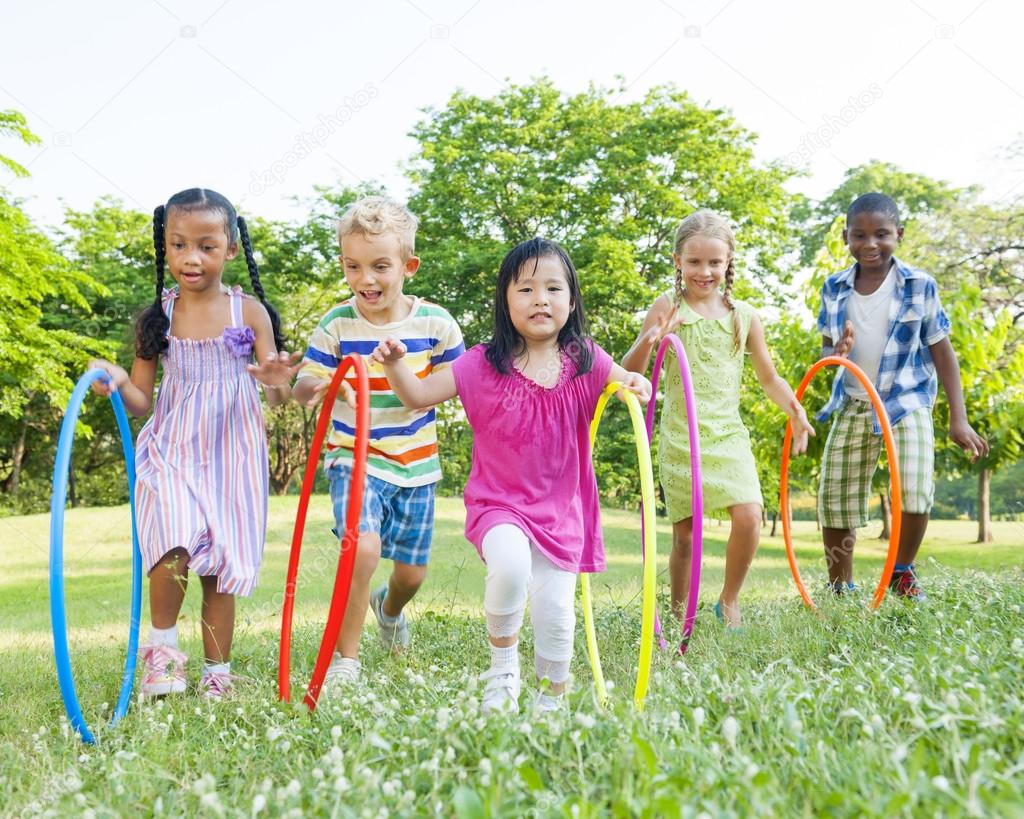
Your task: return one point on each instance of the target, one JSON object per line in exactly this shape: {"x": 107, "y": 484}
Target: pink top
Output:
{"x": 531, "y": 457}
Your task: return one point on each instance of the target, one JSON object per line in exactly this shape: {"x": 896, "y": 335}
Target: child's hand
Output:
{"x": 279, "y": 369}
{"x": 844, "y": 346}
{"x": 345, "y": 391}
{"x": 636, "y": 384}
{"x": 666, "y": 324}
{"x": 118, "y": 377}
{"x": 389, "y": 351}
{"x": 801, "y": 427}
{"x": 968, "y": 440}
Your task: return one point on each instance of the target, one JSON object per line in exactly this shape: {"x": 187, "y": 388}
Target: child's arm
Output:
{"x": 632, "y": 381}
{"x": 273, "y": 369}
{"x": 660, "y": 320}
{"x": 775, "y": 386}
{"x": 136, "y": 389}
{"x": 412, "y": 391}
{"x": 960, "y": 430}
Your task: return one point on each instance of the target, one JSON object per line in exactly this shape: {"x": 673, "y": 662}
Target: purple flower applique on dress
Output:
{"x": 240, "y": 340}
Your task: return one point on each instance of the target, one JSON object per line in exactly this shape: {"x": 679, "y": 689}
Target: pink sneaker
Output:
{"x": 216, "y": 686}
{"x": 164, "y": 671}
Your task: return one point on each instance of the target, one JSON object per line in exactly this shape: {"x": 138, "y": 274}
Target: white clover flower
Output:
{"x": 259, "y": 802}
{"x": 485, "y": 766}
{"x": 449, "y": 754}
{"x": 899, "y": 753}
{"x": 698, "y": 716}
{"x": 730, "y": 729}
{"x": 912, "y": 698}
{"x": 273, "y": 732}
{"x": 940, "y": 783}
{"x": 585, "y": 720}
{"x": 335, "y": 732}
{"x": 341, "y": 784}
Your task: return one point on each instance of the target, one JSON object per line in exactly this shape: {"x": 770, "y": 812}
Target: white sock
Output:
{"x": 216, "y": 668}
{"x": 164, "y": 636}
{"x": 507, "y": 657}
{"x": 338, "y": 661}
{"x": 550, "y": 700}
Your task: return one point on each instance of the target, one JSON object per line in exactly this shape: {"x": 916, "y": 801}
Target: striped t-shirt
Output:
{"x": 403, "y": 442}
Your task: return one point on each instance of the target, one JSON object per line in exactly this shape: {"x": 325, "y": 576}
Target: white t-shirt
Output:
{"x": 870, "y": 317}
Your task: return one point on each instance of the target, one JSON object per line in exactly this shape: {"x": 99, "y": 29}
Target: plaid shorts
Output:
{"x": 403, "y": 516}
{"x": 851, "y": 457}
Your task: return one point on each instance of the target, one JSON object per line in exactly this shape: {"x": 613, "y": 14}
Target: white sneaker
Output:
{"x": 394, "y": 636}
{"x": 342, "y": 671}
{"x": 546, "y": 703}
{"x": 501, "y": 693}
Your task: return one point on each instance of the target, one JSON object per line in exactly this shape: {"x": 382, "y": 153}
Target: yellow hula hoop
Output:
{"x": 650, "y": 550}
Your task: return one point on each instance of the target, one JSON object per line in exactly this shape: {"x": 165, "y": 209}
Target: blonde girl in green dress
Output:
{"x": 716, "y": 330}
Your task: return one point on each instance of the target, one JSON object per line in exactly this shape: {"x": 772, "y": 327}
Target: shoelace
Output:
{"x": 160, "y": 657}
{"x": 498, "y": 678}
{"x": 217, "y": 685}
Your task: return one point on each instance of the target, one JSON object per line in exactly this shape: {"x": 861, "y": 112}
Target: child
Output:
{"x": 377, "y": 237}
{"x": 715, "y": 330}
{"x": 902, "y": 337}
{"x": 531, "y": 500}
{"x": 201, "y": 460}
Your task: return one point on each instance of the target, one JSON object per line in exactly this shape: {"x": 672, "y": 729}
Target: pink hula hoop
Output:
{"x": 697, "y": 482}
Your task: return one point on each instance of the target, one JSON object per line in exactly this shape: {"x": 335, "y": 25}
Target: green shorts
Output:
{"x": 851, "y": 457}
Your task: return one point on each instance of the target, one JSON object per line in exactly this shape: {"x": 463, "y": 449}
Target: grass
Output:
{"x": 908, "y": 711}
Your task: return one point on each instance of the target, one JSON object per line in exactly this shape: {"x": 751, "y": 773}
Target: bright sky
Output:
{"x": 142, "y": 98}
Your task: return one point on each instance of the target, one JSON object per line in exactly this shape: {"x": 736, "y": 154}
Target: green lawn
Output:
{"x": 911, "y": 711}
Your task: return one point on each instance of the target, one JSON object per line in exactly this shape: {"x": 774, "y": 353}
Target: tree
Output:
{"x": 917, "y": 196}
{"x": 38, "y": 357}
{"x": 607, "y": 179}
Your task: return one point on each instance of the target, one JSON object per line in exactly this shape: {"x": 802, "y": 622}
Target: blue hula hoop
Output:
{"x": 58, "y": 614}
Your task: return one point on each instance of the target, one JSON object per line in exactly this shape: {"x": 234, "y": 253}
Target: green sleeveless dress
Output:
{"x": 727, "y": 462}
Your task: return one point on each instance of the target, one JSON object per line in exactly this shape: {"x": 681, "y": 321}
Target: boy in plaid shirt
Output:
{"x": 902, "y": 333}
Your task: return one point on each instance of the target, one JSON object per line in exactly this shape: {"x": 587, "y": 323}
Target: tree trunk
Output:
{"x": 764, "y": 517}
{"x": 72, "y": 487}
{"x": 886, "y": 516}
{"x": 17, "y": 458}
{"x": 775, "y": 521}
{"x": 984, "y": 509}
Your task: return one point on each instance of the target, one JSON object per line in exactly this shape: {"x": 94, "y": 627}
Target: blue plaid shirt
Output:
{"x": 906, "y": 374}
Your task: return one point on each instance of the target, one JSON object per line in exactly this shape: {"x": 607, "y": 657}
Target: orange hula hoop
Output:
{"x": 349, "y": 541}
{"x": 895, "y": 488}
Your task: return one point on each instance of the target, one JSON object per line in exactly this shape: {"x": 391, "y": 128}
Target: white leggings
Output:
{"x": 517, "y": 570}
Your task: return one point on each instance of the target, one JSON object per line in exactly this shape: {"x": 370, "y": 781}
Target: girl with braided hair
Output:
{"x": 201, "y": 460}
{"x": 716, "y": 330}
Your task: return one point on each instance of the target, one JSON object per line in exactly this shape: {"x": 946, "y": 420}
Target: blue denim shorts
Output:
{"x": 402, "y": 516}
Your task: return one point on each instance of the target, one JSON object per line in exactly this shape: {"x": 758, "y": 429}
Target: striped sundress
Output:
{"x": 201, "y": 460}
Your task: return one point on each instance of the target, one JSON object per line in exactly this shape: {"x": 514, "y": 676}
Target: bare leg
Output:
{"x": 218, "y": 621}
{"x": 679, "y": 564}
{"x": 403, "y": 584}
{"x": 367, "y": 558}
{"x": 839, "y": 545}
{"x": 739, "y": 554}
{"x": 167, "y": 584}
{"x": 912, "y": 529}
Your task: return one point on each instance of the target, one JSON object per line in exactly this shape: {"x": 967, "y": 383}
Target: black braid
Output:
{"x": 152, "y": 326}
{"x": 257, "y": 286}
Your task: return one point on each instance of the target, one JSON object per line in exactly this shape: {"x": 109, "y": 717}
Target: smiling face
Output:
{"x": 540, "y": 300}
{"x": 703, "y": 261}
{"x": 376, "y": 272}
{"x": 872, "y": 238}
{"x": 197, "y": 247}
